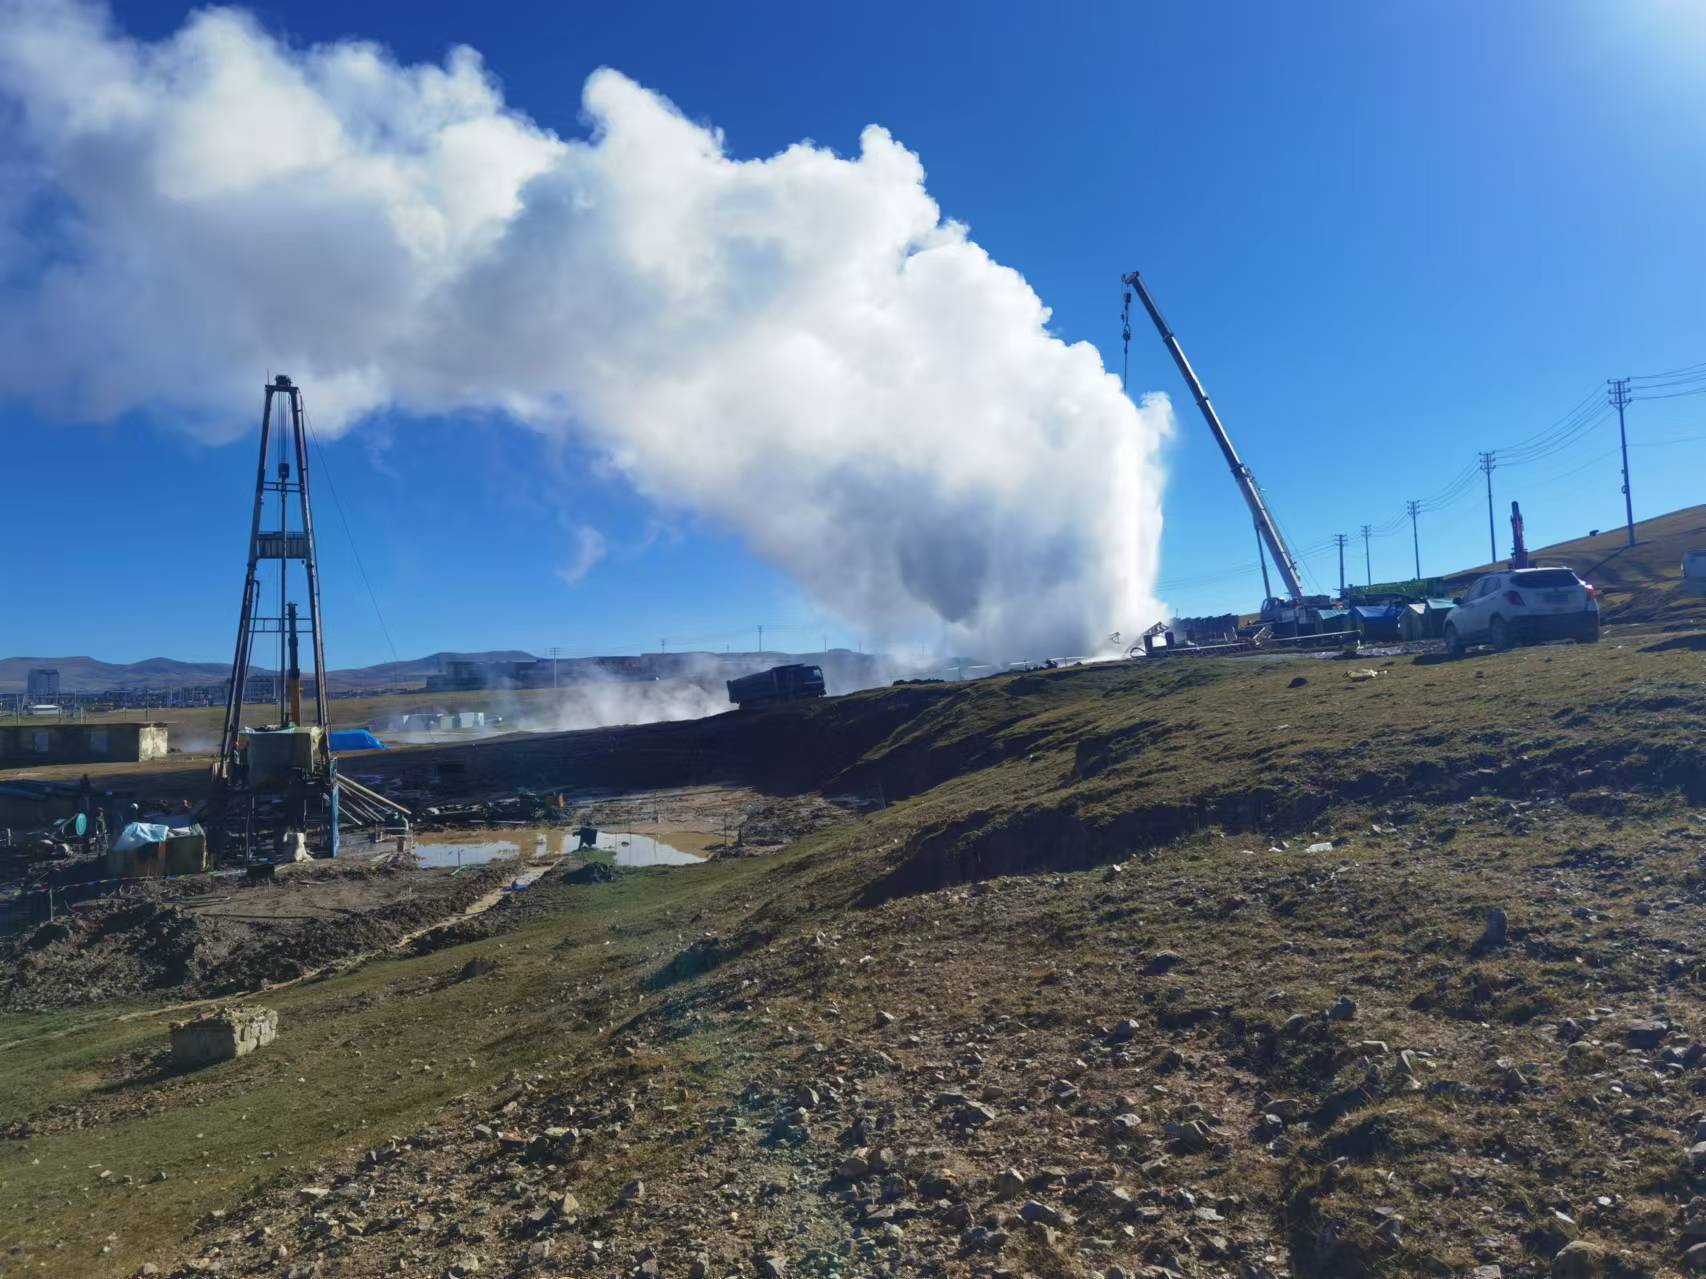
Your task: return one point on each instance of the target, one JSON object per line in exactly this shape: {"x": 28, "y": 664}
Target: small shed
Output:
{"x": 24, "y": 745}
{"x": 1330, "y": 621}
{"x": 1413, "y": 622}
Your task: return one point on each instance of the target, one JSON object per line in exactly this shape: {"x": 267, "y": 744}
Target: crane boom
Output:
{"x": 1283, "y": 559}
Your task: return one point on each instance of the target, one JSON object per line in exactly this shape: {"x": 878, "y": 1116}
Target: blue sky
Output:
{"x": 1387, "y": 235}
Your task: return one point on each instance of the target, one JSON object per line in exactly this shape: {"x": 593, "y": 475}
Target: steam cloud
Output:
{"x": 799, "y": 348}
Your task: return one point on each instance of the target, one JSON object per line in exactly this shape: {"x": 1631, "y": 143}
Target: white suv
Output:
{"x": 1524, "y": 605}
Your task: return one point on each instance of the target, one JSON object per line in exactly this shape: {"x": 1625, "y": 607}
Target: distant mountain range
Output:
{"x": 87, "y": 675}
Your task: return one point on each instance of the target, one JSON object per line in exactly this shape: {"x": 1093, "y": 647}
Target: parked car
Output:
{"x": 1525, "y": 605}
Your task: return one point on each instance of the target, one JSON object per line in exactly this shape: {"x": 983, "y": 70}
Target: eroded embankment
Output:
{"x": 162, "y": 941}
{"x": 1089, "y": 829}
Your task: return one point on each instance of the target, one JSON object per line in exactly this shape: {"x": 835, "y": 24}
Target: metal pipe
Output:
{"x": 240, "y": 660}
{"x": 311, "y": 563}
{"x": 294, "y": 675}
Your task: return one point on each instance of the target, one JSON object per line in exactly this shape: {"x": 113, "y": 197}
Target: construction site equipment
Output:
{"x": 1519, "y": 549}
{"x": 276, "y": 790}
{"x": 1295, "y": 618}
{"x": 778, "y": 684}
{"x": 1268, "y": 531}
{"x": 1411, "y": 590}
{"x": 1158, "y": 641}
{"x": 1161, "y": 641}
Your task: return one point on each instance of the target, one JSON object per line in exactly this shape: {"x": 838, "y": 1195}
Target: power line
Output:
{"x": 1566, "y": 435}
{"x": 1685, "y": 369}
{"x": 337, "y": 502}
{"x": 1673, "y": 395}
{"x": 1593, "y": 461}
{"x": 1687, "y": 379}
{"x": 1591, "y": 398}
{"x": 1655, "y": 444}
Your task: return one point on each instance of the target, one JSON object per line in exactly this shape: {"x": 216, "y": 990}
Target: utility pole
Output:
{"x": 663, "y": 645}
{"x": 1487, "y": 465}
{"x": 1415, "y": 508}
{"x": 554, "y": 651}
{"x": 1339, "y": 540}
{"x": 1367, "y": 560}
{"x": 1620, "y": 399}
{"x": 761, "y": 637}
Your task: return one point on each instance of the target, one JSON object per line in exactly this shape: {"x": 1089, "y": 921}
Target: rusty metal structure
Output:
{"x": 285, "y": 545}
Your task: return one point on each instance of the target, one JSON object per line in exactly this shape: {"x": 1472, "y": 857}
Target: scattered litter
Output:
{"x": 1325, "y": 846}
{"x": 1365, "y": 673}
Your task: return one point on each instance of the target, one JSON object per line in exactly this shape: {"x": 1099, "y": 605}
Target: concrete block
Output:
{"x": 223, "y": 1034}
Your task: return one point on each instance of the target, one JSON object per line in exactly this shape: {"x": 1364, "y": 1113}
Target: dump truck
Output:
{"x": 776, "y": 685}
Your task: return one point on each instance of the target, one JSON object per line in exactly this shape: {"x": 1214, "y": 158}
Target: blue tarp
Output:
{"x": 355, "y": 739}
{"x": 1376, "y": 621}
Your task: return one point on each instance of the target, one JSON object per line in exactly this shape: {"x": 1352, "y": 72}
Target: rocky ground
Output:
{"x": 1111, "y": 985}
{"x": 1252, "y": 1060}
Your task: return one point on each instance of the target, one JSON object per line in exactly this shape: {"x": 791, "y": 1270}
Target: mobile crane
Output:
{"x": 1294, "y": 614}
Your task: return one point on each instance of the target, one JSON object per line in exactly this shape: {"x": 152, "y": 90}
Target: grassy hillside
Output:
{"x": 1178, "y": 964}
{"x": 1641, "y": 583}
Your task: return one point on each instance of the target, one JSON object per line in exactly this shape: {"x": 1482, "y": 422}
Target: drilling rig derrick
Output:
{"x": 276, "y": 794}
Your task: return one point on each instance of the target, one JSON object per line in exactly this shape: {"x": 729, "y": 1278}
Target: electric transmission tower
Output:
{"x": 1414, "y": 508}
{"x": 1620, "y": 398}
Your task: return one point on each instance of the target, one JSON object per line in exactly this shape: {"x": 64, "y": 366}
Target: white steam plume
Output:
{"x": 799, "y": 348}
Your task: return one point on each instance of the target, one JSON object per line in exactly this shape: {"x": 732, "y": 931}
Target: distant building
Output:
{"x": 24, "y": 745}
{"x": 465, "y": 676}
{"x": 43, "y": 685}
{"x": 262, "y": 687}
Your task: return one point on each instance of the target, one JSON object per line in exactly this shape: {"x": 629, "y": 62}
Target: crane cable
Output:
{"x": 1125, "y": 343}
